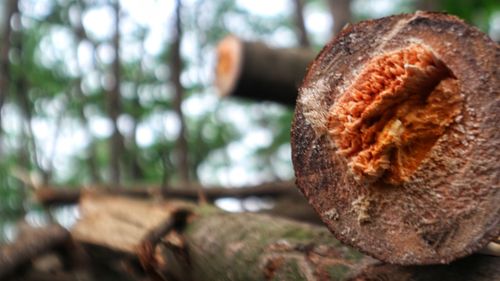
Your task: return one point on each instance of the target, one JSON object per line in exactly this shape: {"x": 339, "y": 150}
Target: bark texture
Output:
{"x": 212, "y": 245}
{"x": 402, "y": 194}
{"x": 255, "y": 71}
{"x": 258, "y": 247}
{"x": 475, "y": 267}
{"x": 29, "y": 246}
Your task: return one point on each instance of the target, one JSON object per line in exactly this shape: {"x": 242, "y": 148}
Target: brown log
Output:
{"x": 51, "y": 195}
{"x": 472, "y": 268}
{"x": 122, "y": 224}
{"x": 288, "y": 202}
{"x": 31, "y": 244}
{"x": 395, "y": 138}
{"x": 214, "y": 245}
{"x": 255, "y": 71}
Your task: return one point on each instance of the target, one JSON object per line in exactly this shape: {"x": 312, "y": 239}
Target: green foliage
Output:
{"x": 477, "y": 12}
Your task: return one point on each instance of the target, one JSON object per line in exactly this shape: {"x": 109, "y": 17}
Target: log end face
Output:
{"x": 228, "y": 66}
{"x": 405, "y": 170}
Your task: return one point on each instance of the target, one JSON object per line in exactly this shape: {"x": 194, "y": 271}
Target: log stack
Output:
{"x": 395, "y": 145}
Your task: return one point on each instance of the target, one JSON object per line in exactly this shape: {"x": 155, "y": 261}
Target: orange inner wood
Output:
{"x": 388, "y": 120}
{"x": 225, "y": 60}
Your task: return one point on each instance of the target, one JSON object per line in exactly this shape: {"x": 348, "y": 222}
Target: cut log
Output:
{"x": 255, "y": 71}
{"x": 287, "y": 200}
{"x": 31, "y": 244}
{"x": 395, "y": 138}
{"x": 472, "y": 268}
{"x": 123, "y": 225}
{"x": 52, "y": 195}
{"x": 214, "y": 245}
{"x": 248, "y": 246}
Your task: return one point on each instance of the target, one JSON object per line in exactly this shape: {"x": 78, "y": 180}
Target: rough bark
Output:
{"x": 181, "y": 150}
{"x": 255, "y": 71}
{"x": 213, "y": 245}
{"x": 341, "y": 13}
{"x": 425, "y": 196}
{"x": 259, "y": 247}
{"x": 29, "y": 246}
{"x": 188, "y": 242}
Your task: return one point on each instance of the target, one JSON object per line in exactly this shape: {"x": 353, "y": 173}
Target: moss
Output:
{"x": 290, "y": 271}
{"x": 353, "y": 255}
{"x": 299, "y": 234}
{"x": 338, "y": 272}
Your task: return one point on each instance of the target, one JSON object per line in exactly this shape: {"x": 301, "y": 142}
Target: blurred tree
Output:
{"x": 299, "y": 22}
{"x": 182, "y": 163}
{"x": 114, "y": 102}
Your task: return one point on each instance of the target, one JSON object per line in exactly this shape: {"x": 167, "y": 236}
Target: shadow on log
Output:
{"x": 29, "y": 245}
{"x": 475, "y": 267}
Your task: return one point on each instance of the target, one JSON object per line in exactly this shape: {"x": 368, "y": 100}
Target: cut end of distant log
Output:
{"x": 395, "y": 138}
{"x": 255, "y": 71}
{"x": 228, "y": 68}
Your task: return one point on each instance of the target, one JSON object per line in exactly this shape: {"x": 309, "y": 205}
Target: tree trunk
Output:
{"x": 256, "y": 71}
{"x": 9, "y": 10}
{"x": 383, "y": 176}
{"x": 300, "y": 24}
{"x": 341, "y": 13}
{"x": 91, "y": 157}
{"x": 181, "y": 151}
{"x": 114, "y": 104}
{"x": 427, "y": 5}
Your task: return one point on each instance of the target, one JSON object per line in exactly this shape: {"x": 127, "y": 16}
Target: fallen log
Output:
{"x": 51, "y": 195}
{"x": 208, "y": 244}
{"x": 29, "y": 245}
{"x": 212, "y": 245}
{"x": 124, "y": 225}
{"x": 395, "y": 138}
{"x": 472, "y": 268}
{"x": 256, "y": 71}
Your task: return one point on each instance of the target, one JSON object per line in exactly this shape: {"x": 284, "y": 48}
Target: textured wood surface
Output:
{"x": 449, "y": 205}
